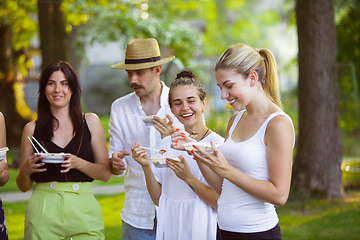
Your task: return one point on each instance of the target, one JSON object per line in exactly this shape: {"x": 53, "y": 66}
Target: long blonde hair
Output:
{"x": 244, "y": 59}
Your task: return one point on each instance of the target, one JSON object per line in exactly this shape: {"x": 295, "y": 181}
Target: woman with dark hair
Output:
{"x": 187, "y": 204}
{"x": 62, "y": 205}
{"x": 4, "y": 174}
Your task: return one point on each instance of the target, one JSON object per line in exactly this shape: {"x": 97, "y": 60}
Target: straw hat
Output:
{"x": 141, "y": 54}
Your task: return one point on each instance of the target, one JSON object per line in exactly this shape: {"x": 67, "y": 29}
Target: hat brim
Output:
{"x": 139, "y": 66}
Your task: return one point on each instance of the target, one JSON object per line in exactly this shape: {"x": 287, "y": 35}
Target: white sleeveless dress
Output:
{"x": 181, "y": 213}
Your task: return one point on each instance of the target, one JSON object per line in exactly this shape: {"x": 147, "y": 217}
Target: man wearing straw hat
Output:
{"x": 143, "y": 64}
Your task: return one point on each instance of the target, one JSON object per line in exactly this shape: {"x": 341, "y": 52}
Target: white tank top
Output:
{"x": 237, "y": 210}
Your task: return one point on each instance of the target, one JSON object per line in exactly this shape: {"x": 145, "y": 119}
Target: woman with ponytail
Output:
{"x": 252, "y": 169}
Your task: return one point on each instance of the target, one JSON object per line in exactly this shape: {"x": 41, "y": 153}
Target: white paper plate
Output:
{"x": 160, "y": 161}
{"x": 206, "y": 145}
{"x": 147, "y": 119}
{"x": 52, "y": 157}
{"x": 3, "y": 152}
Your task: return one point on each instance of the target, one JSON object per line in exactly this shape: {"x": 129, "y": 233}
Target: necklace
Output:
{"x": 204, "y": 134}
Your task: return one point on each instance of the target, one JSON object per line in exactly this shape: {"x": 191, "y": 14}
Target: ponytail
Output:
{"x": 271, "y": 79}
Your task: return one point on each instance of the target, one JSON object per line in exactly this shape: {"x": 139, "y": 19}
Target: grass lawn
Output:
{"x": 322, "y": 219}
{"x": 300, "y": 220}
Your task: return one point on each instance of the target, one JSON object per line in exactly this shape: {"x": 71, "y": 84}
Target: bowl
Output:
{"x": 52, "y": 157}
{"x": 160, "y": 161}
{"x": 148, "y": 119}
{"x": 206, "y": 145}
{"x": 3, "y": 152}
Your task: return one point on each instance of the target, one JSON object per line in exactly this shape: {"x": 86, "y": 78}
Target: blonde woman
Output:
{"x": 252, "y": 169}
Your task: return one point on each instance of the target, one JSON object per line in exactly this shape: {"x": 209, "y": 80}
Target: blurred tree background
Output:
{"x": 197, "y": 32}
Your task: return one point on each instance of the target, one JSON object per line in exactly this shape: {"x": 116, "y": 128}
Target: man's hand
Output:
{"x": 116, "y": 162}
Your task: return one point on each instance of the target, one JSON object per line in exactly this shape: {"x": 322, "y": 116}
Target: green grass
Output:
{"x": 105, "y": 123}
{"x": 322, "y": 219}
{"x": 11, "y": 186}
{"x": 300, "y": 220}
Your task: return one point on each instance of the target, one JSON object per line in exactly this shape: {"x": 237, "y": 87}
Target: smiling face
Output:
{"x": 186, "y": 105}
{"x": 235, "y": 88}
{"x": 57, "y": 90}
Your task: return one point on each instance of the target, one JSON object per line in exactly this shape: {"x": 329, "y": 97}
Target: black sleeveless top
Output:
{"x": 79, "y": 146}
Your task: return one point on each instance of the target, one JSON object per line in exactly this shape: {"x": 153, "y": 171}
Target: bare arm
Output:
{"x": 154, "y": 187}
{"x": 4, "y": 171}
{"x": 100, "y": 169}
{"x": 28, "y": 163}
{"x": 214, "y": 180}
{"x": 279, "y": 138}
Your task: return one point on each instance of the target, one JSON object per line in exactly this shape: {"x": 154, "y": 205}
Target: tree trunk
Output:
{"x": 14, "y": 122}
{"x": 317, "y": 163}
{"x": 74, "y": 59}
{"x": 53, "y": 36}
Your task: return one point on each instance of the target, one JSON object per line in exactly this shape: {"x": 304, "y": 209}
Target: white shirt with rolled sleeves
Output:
{"x": 125, "y": 130}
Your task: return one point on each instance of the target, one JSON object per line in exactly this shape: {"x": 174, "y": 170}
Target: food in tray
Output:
{"x": 162, "y": 151}
{"x": 160, "y": 161}
{"x": 52, "y": 157}
{"x": 147, "y": 119}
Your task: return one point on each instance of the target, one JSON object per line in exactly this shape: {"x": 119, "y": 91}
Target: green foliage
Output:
{"x": 124, "y": 22}
{"x": 19, "y": 15}
{"x": 228, "y": 22}
{"x": 348, "y": 31}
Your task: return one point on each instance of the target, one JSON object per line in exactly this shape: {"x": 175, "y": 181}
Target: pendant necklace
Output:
{"x": 204, "y": 134}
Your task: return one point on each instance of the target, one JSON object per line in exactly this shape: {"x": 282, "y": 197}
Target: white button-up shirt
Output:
{"x": 126, "y": 128}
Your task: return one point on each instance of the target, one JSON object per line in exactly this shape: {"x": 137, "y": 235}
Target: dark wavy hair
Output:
{"x": 187, "y": 78}
{"x": 45, "y": 119}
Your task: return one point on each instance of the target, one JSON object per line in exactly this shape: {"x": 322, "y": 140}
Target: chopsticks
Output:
{"x": 40, "y": 145}
{"x": 42, "y": 148}
{"x": 33, "y": 145}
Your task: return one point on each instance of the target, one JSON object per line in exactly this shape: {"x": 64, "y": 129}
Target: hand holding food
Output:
{"x": 140, "y": 155}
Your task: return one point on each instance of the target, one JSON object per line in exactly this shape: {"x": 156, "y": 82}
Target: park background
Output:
{"x": 317, "y": 47}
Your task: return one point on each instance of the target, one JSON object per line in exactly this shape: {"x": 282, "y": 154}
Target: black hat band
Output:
{"x": 144, "y": 60}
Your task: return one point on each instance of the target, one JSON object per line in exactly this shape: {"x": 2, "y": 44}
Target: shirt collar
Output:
{"x": 163, "y": 96}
